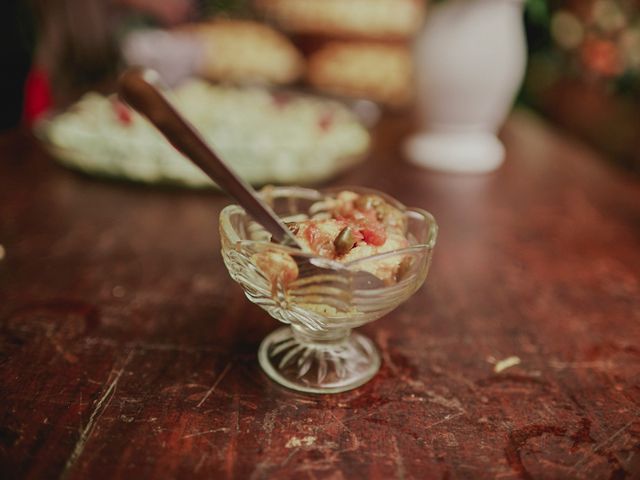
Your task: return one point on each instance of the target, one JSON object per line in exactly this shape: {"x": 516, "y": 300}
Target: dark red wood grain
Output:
{"x": 127, "y": 352}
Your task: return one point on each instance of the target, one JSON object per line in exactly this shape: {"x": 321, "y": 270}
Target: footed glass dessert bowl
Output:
{"x": 319, "y": 291}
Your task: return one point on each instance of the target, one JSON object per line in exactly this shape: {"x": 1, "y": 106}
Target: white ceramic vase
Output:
{"x": 470, "y": 59}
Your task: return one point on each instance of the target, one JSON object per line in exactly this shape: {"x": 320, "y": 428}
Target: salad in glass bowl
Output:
{"x": 316, "y": 289}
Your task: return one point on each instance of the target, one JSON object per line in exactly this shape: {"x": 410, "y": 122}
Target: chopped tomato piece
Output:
{"x": 374, "y": 235}
{"x": 281, "y": 99}
{"x": 122, "y": 112}
{"x": 325, "y": 121}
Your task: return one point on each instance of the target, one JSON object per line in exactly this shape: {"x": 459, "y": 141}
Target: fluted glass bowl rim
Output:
{"x": 292, "y": 191}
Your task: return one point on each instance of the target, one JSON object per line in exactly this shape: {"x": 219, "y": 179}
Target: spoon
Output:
{"x": 142, "y": 90}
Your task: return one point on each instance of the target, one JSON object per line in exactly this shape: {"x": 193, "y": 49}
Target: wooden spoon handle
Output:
{"x": 142, "y": 90}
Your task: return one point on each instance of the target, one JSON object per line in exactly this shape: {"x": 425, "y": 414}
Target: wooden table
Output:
{"x": 127, "y": 352}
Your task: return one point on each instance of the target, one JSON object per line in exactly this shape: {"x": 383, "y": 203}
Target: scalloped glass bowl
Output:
{"x": 318, "y": 352}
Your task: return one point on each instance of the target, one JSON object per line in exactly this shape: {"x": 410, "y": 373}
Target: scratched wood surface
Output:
{"x": 127, "y": 352}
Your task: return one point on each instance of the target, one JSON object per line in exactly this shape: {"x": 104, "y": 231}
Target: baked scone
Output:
{"x": 376, "y": 71}
{"x": 241, "y": 51}
{"x": 372, "y": 19}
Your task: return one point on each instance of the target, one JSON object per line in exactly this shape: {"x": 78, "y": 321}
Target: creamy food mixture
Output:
{"x": 266, "y": 137}
{"x": 345, "y": 228}
{"x": 352, "y": 226}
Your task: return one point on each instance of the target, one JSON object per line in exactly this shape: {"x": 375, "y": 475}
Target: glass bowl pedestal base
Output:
{"x": 318, "y": 362}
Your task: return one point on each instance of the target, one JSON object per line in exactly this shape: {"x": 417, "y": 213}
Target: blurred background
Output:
{"x": 583, "y": 70}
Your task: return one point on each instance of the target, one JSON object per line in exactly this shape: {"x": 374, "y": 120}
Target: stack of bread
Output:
{"x": 350, "y": 48}
{"x": 244, "y": 51}
{"x": 355, "y": 48}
